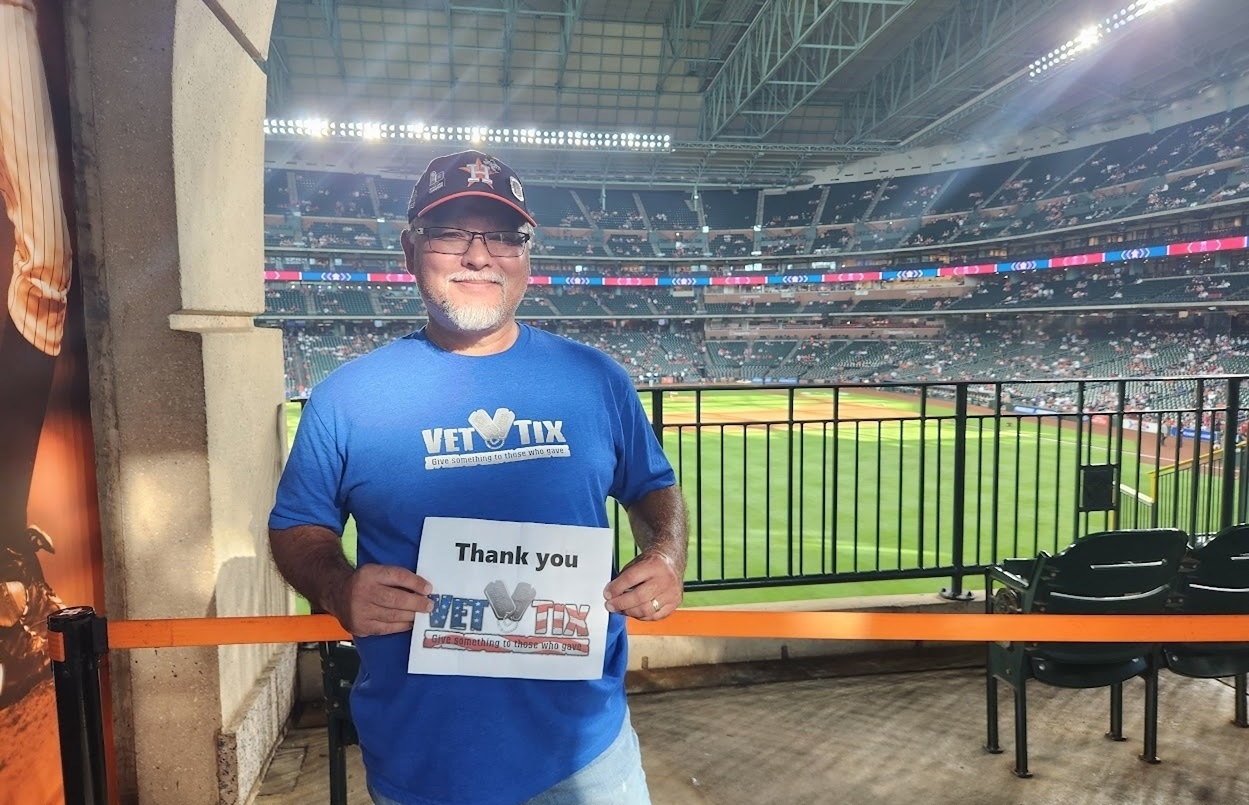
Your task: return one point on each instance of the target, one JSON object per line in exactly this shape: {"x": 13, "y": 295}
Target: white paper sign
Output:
{"x": 519, "y": 600}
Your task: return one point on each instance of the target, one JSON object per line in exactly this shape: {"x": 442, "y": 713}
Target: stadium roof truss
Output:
{"x": 791, "y": 50}
{"x": 937, "y": 67}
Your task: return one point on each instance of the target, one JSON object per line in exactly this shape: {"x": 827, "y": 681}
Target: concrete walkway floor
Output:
{"x": 822, "y": 738}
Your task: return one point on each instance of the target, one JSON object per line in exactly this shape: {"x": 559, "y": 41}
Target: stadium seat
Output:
{"x": 340, "y": 663}
{"x": 1214, "y": 579}
{"x": 1107, "y": 573}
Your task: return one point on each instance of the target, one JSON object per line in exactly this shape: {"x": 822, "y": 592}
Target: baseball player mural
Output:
{"x": 29, "y": 342}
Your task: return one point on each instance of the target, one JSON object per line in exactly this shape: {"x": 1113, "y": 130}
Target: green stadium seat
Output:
{"x": 1107, "y": 573}
{"x": 1214, "y": 579}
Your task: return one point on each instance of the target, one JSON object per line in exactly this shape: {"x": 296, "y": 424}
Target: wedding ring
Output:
{"x": 655, "y": 603}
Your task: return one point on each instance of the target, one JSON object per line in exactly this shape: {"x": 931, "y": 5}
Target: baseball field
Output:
{"x": 867, "y": 489}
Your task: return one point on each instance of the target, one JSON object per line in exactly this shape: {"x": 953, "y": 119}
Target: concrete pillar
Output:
{"x": 186, "y": 392}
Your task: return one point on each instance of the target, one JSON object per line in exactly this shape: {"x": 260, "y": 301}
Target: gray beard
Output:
{"x": 465, "y": 318}
{"x": 472, "y": 318}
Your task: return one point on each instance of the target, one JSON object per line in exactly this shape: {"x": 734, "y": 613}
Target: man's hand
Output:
{"x": 380, "y": 599}
{"x": 371, "y": 600}
{"x": 649, "y": 588}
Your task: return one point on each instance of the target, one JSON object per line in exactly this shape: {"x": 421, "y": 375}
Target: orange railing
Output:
{"x": 79, "y": 638}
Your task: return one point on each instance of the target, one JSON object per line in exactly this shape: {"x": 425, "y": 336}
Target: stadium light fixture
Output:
{"x": 303, "y": 127}
{"x": 1089, "y": 37}
{"x": 474, "y": 135}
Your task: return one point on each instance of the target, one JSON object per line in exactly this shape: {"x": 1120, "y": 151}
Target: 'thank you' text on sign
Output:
{"x": 520, "y": 600}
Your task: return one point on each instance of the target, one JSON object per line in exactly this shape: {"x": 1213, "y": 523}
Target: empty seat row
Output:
{"x": 1127, "y": 572}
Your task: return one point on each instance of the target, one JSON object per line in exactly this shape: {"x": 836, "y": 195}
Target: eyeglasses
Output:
{"x": 449, "y": 240}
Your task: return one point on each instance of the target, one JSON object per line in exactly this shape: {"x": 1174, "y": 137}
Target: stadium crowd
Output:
{"x": 1192, "y": 165}
{"x": 1029, "y": 336}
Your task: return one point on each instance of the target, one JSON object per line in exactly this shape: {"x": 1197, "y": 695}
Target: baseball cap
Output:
{"x": 463, "y": 175}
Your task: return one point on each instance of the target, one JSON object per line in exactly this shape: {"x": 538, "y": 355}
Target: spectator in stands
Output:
{"x": 363, "y": 449}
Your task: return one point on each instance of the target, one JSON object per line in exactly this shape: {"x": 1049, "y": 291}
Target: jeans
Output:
{"x": 613, "y": 778}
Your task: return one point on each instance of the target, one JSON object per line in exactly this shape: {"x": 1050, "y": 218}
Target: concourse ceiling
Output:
{"x": 753, "y": 93}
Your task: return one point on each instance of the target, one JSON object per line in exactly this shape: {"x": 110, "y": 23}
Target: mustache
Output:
{"x": 477, "y": 276}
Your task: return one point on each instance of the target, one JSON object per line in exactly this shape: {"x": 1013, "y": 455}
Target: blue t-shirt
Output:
{"x": 388, "y": 440}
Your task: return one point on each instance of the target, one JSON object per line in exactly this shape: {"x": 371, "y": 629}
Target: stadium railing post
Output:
{"x": 657, "y": 413}
{"x": 955, "y": 591}
{"x": 80, "y": 637}
{"x": 1231, "y": 428}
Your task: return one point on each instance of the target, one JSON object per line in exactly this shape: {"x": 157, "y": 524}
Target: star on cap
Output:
{"x": 478, "y": 172}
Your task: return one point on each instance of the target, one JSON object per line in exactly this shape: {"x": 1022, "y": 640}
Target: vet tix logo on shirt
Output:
{"x": 498, "y": 439}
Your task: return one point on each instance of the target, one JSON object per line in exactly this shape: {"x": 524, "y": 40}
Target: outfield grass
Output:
{"x": 865, "y": 496}
{"x": 854, "y": 497}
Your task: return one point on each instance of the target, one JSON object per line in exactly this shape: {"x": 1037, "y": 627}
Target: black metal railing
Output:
{"x": 816, "y": 484}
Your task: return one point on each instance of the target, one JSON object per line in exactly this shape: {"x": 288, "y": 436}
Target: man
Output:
{"x": 30, "y": 340}
{"x": 363, "y": 449}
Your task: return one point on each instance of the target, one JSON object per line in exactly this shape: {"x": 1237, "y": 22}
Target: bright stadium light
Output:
{"x": 476, "y": 135}
{"x": 1089, "y": 37}
{"x": 303, "y": 127}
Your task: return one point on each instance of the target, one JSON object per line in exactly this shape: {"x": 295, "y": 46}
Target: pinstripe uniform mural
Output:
{"x": 31, "y": 338}
{"x": 30, "y": 184}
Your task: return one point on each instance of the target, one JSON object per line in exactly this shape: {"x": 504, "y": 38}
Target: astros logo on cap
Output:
{"x": 478, "y": 172}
